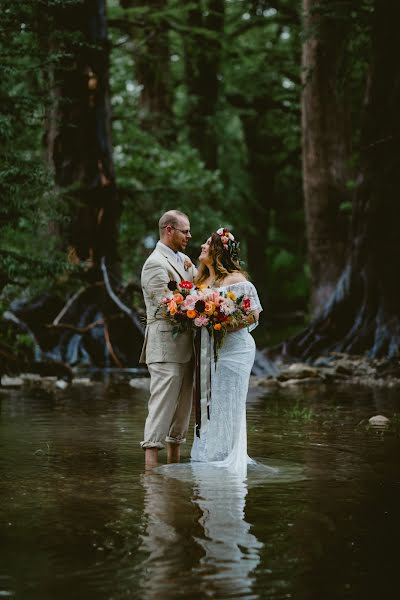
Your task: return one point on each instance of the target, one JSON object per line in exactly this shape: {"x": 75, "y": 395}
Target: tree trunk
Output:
{"x": 262, "y": 178}
{"x": 78, "y": 137}
{"x": 363, "y": 313}
{"x": 202, "y": 72}
{"x": 326, "y": 147}
{"x": 93, "y": 326}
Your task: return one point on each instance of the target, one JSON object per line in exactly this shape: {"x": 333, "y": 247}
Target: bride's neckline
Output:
{"x": 231, "y": 284}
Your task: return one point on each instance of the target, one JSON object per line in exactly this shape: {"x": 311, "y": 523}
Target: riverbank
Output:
{"x": 335, "y": 368}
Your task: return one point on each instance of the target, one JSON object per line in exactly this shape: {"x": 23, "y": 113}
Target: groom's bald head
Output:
{"x": 174, "y": 229}
{"x": 171, "y": 217}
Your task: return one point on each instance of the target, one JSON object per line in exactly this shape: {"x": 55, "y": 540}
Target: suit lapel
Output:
{"x": 173, "y": 263}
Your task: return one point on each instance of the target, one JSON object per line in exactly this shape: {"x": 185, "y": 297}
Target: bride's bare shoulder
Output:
{"x": 234, "y": 278}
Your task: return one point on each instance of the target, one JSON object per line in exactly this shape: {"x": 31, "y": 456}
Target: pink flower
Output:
{"x": 201, "y": 321}
{"x": 215, "y": 297}
{"x": 188, "y": 303}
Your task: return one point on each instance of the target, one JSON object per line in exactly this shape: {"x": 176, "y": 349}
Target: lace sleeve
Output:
{"x": 250, "y": 291}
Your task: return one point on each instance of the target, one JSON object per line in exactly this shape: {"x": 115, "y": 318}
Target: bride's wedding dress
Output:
{"x": 224, "y": 441}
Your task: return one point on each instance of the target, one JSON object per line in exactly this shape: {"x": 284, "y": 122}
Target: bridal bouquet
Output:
{"x": 189, "y": 308}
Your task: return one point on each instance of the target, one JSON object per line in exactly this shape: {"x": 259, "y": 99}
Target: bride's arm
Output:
{"x": 248, "y": 321}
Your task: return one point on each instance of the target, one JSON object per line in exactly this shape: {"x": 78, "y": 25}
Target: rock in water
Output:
{"x": 298, "y": 371}
{"x": 61, "y": 384}
{"x": 11, "y": 382}
{"x": 379, "y": 421}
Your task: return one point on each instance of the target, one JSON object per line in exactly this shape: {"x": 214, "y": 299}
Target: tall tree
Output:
{"x": 78, "y": 136}
{"x": 363, "y": 313}
{"x": 267, "y": 101}
{"x": 149, "y": 33}
{"x": 203, "y": 53}
{"x": 326, "y": 143}
{"x": 79, "y": 150}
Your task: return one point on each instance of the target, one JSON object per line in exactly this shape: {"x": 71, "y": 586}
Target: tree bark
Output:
{"x": 363, "y": 314}
{"x": 202, "y": 74}
{"x": 78, "y": 136}
{"x": 79, "y": 150}
{"x": 326, "y": 147}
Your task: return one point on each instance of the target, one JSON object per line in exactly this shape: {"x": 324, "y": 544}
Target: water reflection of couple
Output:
{"x": 196, "y": 536}
{"x": 222, "y": 439}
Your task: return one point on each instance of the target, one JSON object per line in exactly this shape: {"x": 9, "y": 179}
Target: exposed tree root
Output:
{"x": 355, "y": 322}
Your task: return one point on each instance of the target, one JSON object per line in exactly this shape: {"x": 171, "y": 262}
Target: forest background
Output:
{"x": 278, "y": 119}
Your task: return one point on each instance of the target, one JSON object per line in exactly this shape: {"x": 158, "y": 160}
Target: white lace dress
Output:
{"x": 224, "y": 443}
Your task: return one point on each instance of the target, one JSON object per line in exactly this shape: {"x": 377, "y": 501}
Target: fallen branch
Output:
{"x": 68, "y": 305}
{"x": 10, "y": 316}
{"x": 117, "y": 301}
{"x": 110, "y": 348}
{"x": 75, "y": 328}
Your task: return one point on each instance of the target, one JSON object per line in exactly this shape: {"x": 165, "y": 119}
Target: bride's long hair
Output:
{"x": 222, "y": 262}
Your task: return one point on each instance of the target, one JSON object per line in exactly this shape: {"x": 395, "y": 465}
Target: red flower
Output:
{"x": 186, "y": 285}
{"x": 246, "y": 303}
{"x": 221, "y": 318}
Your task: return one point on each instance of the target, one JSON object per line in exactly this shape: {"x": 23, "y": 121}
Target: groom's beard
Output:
{"x": 180, "y": 245}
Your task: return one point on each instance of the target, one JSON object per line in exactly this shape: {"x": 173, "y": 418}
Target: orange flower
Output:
{"x": 209, "y": 308}
{"x": 192, "y": 314}
{"x": 217, "y": 326}
{"x": 172, "y": 307}
{"x": 178, "y": 298}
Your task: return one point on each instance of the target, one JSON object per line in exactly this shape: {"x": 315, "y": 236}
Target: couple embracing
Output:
{"x": 170, "y": 360}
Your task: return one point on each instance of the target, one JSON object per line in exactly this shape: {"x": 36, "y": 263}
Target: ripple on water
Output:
{"x": 258, "y": 473}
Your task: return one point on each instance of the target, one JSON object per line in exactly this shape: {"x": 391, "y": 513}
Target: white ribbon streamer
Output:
{"x": 205, "y": 378}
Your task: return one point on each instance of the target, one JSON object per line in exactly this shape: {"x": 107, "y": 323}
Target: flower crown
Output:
{"x": 229, "y": 243}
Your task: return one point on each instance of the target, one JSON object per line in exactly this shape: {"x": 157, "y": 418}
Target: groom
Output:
{"x": 168, "y": 359}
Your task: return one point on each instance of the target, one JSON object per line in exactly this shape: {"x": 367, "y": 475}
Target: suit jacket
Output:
{"x": 159, "y": 345}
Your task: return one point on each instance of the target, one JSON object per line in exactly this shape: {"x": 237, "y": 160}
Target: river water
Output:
{"x": 80, "y": 519}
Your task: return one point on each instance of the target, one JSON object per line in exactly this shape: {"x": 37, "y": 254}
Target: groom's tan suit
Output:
{"x": 169, "y": 359}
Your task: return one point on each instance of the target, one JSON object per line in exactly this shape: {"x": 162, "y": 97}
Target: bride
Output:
{"x": 223, "y": 442}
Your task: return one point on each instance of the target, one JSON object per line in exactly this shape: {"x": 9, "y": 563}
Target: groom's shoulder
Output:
{"x": 155, "y": 259}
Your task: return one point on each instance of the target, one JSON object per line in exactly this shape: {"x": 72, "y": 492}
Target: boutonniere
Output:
{"x": 187, "y": 264}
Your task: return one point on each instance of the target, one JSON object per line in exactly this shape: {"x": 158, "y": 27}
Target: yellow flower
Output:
{"x": 192, "y": 314}
{"x": 209, "y": 308}
{"x": 231, "y": 295}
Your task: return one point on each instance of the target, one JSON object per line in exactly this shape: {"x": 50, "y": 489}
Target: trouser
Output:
{"x": 170, "y": 404}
